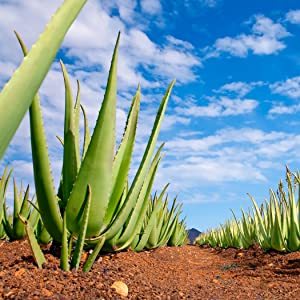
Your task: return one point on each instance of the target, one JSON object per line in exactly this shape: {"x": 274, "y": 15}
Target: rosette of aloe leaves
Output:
{"x": 94, "y": 205}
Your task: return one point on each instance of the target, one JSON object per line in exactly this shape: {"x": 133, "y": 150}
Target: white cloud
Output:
{"x": 293, "y": 16}
{"x": 137, "y": 51}
{"x": 289, "y": 87}
{"x": 152, "y": 7}
{"x": 238, "y": 88}
{"x": 126, "y": 10}
{"x": 198, "y": 169}
{"x": 266, "y": 38}
{"x": 91, "y": 39}
{"x": 224, "y": 137}
{"x": 228, "y": 155}
{"x": 221, "y": 107}
{"x": 179, "y": 43}
{"x": 282, "y": 109}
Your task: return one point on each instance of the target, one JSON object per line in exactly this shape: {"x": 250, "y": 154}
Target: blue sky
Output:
{"x": 232, "y": 122}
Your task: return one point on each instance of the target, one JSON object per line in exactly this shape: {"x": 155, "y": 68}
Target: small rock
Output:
{"x": 47, "y": 293}
{"x": 271, "y": 284}
{"x": 240, "y": 254}
{"x": 20, "y": 272}
{"x": 99, "y": 285}
{"x": 121, "y": 288}
{"x": 11, "y": 293}
{"x": 84, "y": 256}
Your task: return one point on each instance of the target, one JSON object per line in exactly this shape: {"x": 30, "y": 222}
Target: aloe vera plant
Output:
{"x": 94, "y": 204}
{"x": 161, "y": 226}
{"x": 18, "y": 94}
{"x": 98, "y": 166}
{"x": 4, "y": 180}
{"x": 117, "y": 209}
{"x": 274, "y": 225}
{"x": 11, "y": 225}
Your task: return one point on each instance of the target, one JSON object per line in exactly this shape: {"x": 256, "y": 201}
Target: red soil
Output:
{"x": 188, "y": 272}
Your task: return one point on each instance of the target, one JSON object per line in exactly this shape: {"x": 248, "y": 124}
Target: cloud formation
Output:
{"x": 238, "y": 88}
{"x": 266, "y": 37}
{"x": 289, "y": 87}
{"x": 293, "y": 16}
{"x": 219, "y": 107}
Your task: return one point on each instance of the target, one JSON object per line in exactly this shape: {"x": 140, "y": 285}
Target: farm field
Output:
{"x": 188, "y": 272}
{"x": 131, "y": 133}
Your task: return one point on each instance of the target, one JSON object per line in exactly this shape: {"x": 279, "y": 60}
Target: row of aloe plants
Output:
{"x": 94, "y": 205}
{"x": 273, "y": 225}
{"x": 11, "y": 226}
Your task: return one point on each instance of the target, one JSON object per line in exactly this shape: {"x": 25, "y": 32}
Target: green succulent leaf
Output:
{"x": 45, "y": 193}
{"x": 18, "y": 94}
{"x": 83, "y": 228}
{"x": 71, "y": 154}
{"x": 96, "y": 167}
{"x": 123, "y": 158}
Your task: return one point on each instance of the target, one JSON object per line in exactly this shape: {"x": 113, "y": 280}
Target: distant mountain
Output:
{"x": 193, "y": 234}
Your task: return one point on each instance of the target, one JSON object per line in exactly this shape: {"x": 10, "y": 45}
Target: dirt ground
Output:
{"x": 188, "y": 272}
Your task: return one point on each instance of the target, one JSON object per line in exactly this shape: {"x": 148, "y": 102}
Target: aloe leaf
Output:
{"x": 87, "y": 134}
{"x": 277, "y": 240}
{"x": 123, "y": 158}
{"x": 111, "y": 244}
{"x": 77, "y": 125}
{"x": 293, "y": 242}
{"x": 245, "y": 226}
{"x": 122, "y": 199}
{"x": 70, "y": 162}
{"x": 35, "y": 248}
{"x": 126, "y": 209}
{"x": 60, "y": 139}
{"x": 64, "y": 256}
{"x": 135, "y": 241}
{"x": 92, "y": 257}
{"x": 45, "y": 193}
{"x": 19, "y": 228}
{"x": 17, "y": 203}
{"x": 170, "y": 224}
{"x": 4, "y": 180}
{"x": 34, "y": 214}
{"x": 71, "y": 240}
{"x": 261, "y": 224}
{"x": 139, "y": 212}
{"x": 83, "y": 228}
{"x": 7, "y": 224}
{"x": 143, "y": 168}
{"x": 179, "y": 232}
{"x": 145, "y": 236}
{"x": 154, "y": 234}
{"x": 17, "y": 95}
{"x": 170, "y": 231}
{"x": 174, "y": 237}
{"x": 96, "y": 167}
{"x": 44, "y": 236}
